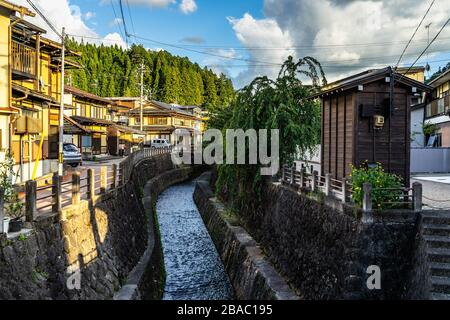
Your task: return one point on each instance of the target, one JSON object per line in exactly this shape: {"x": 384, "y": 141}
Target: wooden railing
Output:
{"x": 23, "y": 59}
{"x": 340, "y": 189}
{"x": 87, "y": 186}
{"x": 408, "y": 198}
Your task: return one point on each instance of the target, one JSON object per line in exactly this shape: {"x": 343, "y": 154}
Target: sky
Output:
{"x": 249, "y": 38}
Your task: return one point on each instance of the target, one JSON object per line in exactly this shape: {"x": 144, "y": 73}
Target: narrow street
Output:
{"x": 436, "y": 191}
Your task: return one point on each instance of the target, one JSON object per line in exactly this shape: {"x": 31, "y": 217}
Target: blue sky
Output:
{"x": 247, "y": 38}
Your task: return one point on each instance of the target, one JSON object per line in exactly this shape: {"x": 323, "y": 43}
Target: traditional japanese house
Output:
{"x": 361, "y": 125}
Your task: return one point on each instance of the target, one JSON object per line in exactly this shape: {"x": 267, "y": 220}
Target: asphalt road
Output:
{"x": 436, "y": 191}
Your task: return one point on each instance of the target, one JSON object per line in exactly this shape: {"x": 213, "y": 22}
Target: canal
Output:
{"x": 194, "y": 270}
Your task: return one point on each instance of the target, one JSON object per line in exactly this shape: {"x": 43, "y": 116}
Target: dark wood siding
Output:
{"x": 337, "y": 135}
{"x": 390, "y": 145}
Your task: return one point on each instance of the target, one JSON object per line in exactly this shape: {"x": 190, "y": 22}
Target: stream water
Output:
{"x": 194, "y": 270}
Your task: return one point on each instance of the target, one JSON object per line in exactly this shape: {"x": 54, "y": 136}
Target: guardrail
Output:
{"x": 60, "y": 193}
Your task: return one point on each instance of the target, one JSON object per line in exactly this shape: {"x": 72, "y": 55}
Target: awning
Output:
{"x": 72, "y": 127}
{"x": 125, "y": 129}
{"x": 32, "y": 93}
{"x": 85, "y": 121}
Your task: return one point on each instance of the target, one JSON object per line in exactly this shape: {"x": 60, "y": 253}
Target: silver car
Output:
{"x": 72, "y": 156}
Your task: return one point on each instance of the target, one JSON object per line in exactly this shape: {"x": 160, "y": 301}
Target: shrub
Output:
{"x": 380, "y": 180}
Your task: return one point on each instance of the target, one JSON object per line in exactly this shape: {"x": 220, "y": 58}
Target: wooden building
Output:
{"x": 359, "y": 124}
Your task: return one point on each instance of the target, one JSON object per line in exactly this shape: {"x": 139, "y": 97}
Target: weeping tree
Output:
{"x": 282, "y": 104}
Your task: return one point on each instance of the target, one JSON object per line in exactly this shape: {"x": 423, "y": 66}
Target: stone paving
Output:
{"x": 193, "y": 266}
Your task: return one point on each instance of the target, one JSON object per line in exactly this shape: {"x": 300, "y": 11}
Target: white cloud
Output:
{"x": 188, "y": 6}
{"x": 222, "y": 62}
{"x": 337, "y": 33}
{"x": 115, "y": 22}
{"x": 150, "y": 3}
{"x": 89, "y": 15}
{"x": 254, "y": 34}
{"x": 62, "y": 14}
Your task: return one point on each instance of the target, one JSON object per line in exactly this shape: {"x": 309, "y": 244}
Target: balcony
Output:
{"x": 438, "y": 108}
{"x": 23, "y": 62}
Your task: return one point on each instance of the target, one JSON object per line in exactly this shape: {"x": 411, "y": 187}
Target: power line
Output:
{"x": 425, "y": 50}
{"x": 130, "y": 15}
{"x": 117, "y": 19}
{"x": 127, "y": 35}
{"x": 36, "y": 8}
{"x": 414, "y": 34}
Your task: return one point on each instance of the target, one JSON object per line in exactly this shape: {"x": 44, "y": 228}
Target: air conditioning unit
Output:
{"x": 378, "y": 121}
{"x": 26, "y": 124}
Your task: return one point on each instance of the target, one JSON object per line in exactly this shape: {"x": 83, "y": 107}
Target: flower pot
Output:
{"x": 15, "y": 225}
{"x": 6, "y": 221}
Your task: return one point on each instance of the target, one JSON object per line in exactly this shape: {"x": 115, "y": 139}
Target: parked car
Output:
{"x": 72, "y": 155}
{"x": 158, "y": 144}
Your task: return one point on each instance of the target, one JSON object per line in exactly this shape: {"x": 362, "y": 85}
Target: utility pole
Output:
{"x": 427, "y": 67}
{"x": 142, "y": 69}
{"x": 61, "y": 109}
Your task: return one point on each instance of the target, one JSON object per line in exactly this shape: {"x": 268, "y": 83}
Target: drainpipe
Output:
{"x": 10, "y": 27}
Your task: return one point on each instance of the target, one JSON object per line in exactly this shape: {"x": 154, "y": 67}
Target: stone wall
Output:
{"x": 252, "y": 276}
{"x": 99, "y": 243}
{"x": 324, "y": 251}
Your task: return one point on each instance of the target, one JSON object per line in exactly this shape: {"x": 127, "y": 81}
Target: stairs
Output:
{"x": 436, "y": 226}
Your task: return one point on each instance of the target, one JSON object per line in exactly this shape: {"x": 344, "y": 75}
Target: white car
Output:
{"x": 72, "y": 156}
{"x": 160, "y": 144}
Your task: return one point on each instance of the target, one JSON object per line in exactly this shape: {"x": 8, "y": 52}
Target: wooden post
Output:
{"x": 367, "y": 197}
{"x": 114, "y": 174}
{"x": 302, "y": 177}
{"x": 91, "y": 184}
{"x": 417, "y": 196}
{"x": 327, "y": 184}
{"x": 293, "y": 174}
{"x": 56, "y": 191}
{"x": 30, "y": 200}
{"x": 76, "y": 181}
{"x": 103, "y": 179}
{"x": 314, "y": 181}
{"x": 2, "y": 210}
{"x": 344, "y": 190}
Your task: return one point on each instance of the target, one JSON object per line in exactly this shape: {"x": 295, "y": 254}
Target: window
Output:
{"x": 440, "y": 106}
{"x": 435, "y": 141}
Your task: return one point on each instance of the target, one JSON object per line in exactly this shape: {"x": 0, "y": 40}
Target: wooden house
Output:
{"x": 360, "y": 125}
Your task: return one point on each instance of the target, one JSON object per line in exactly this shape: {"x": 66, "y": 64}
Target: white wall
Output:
{"x": 417, "y": 136}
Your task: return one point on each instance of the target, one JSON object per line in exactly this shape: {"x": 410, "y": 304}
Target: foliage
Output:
{"x": 429, "y": 128}
{"x": 112, "y": 71}
{"x": 379, "y": 179}
{"x": 282, "y": 104}
{"x": 439, "y": 72}
{"x": 14, "y": 208}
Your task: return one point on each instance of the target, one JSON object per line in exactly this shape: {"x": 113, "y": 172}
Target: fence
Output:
{"x": 430, "y": 160}
{"x": 342, "y": 189}
{"x": 60, "y": 193}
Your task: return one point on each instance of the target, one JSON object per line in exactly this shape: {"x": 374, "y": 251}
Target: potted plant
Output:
{"x": 6, "y": 221}
{"x": 15, "y": 210}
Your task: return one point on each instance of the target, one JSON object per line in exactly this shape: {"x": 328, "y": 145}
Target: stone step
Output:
{"x": 439, "y": 255}
{"x": 436, "y": 229}
{"x": 439, "y": 296}
{"x": 437, "y": 241}
{"x": 440, "y": 284}
{"x": 440, "y": 269}
{"x": 436, "y": 217}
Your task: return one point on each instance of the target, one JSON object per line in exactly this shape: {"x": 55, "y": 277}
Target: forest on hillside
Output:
{"x": 110, "y": 71}
{"x": 439, "y": 72}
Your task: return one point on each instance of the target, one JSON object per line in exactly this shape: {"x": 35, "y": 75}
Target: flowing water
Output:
{"x": 194, "y": 270}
